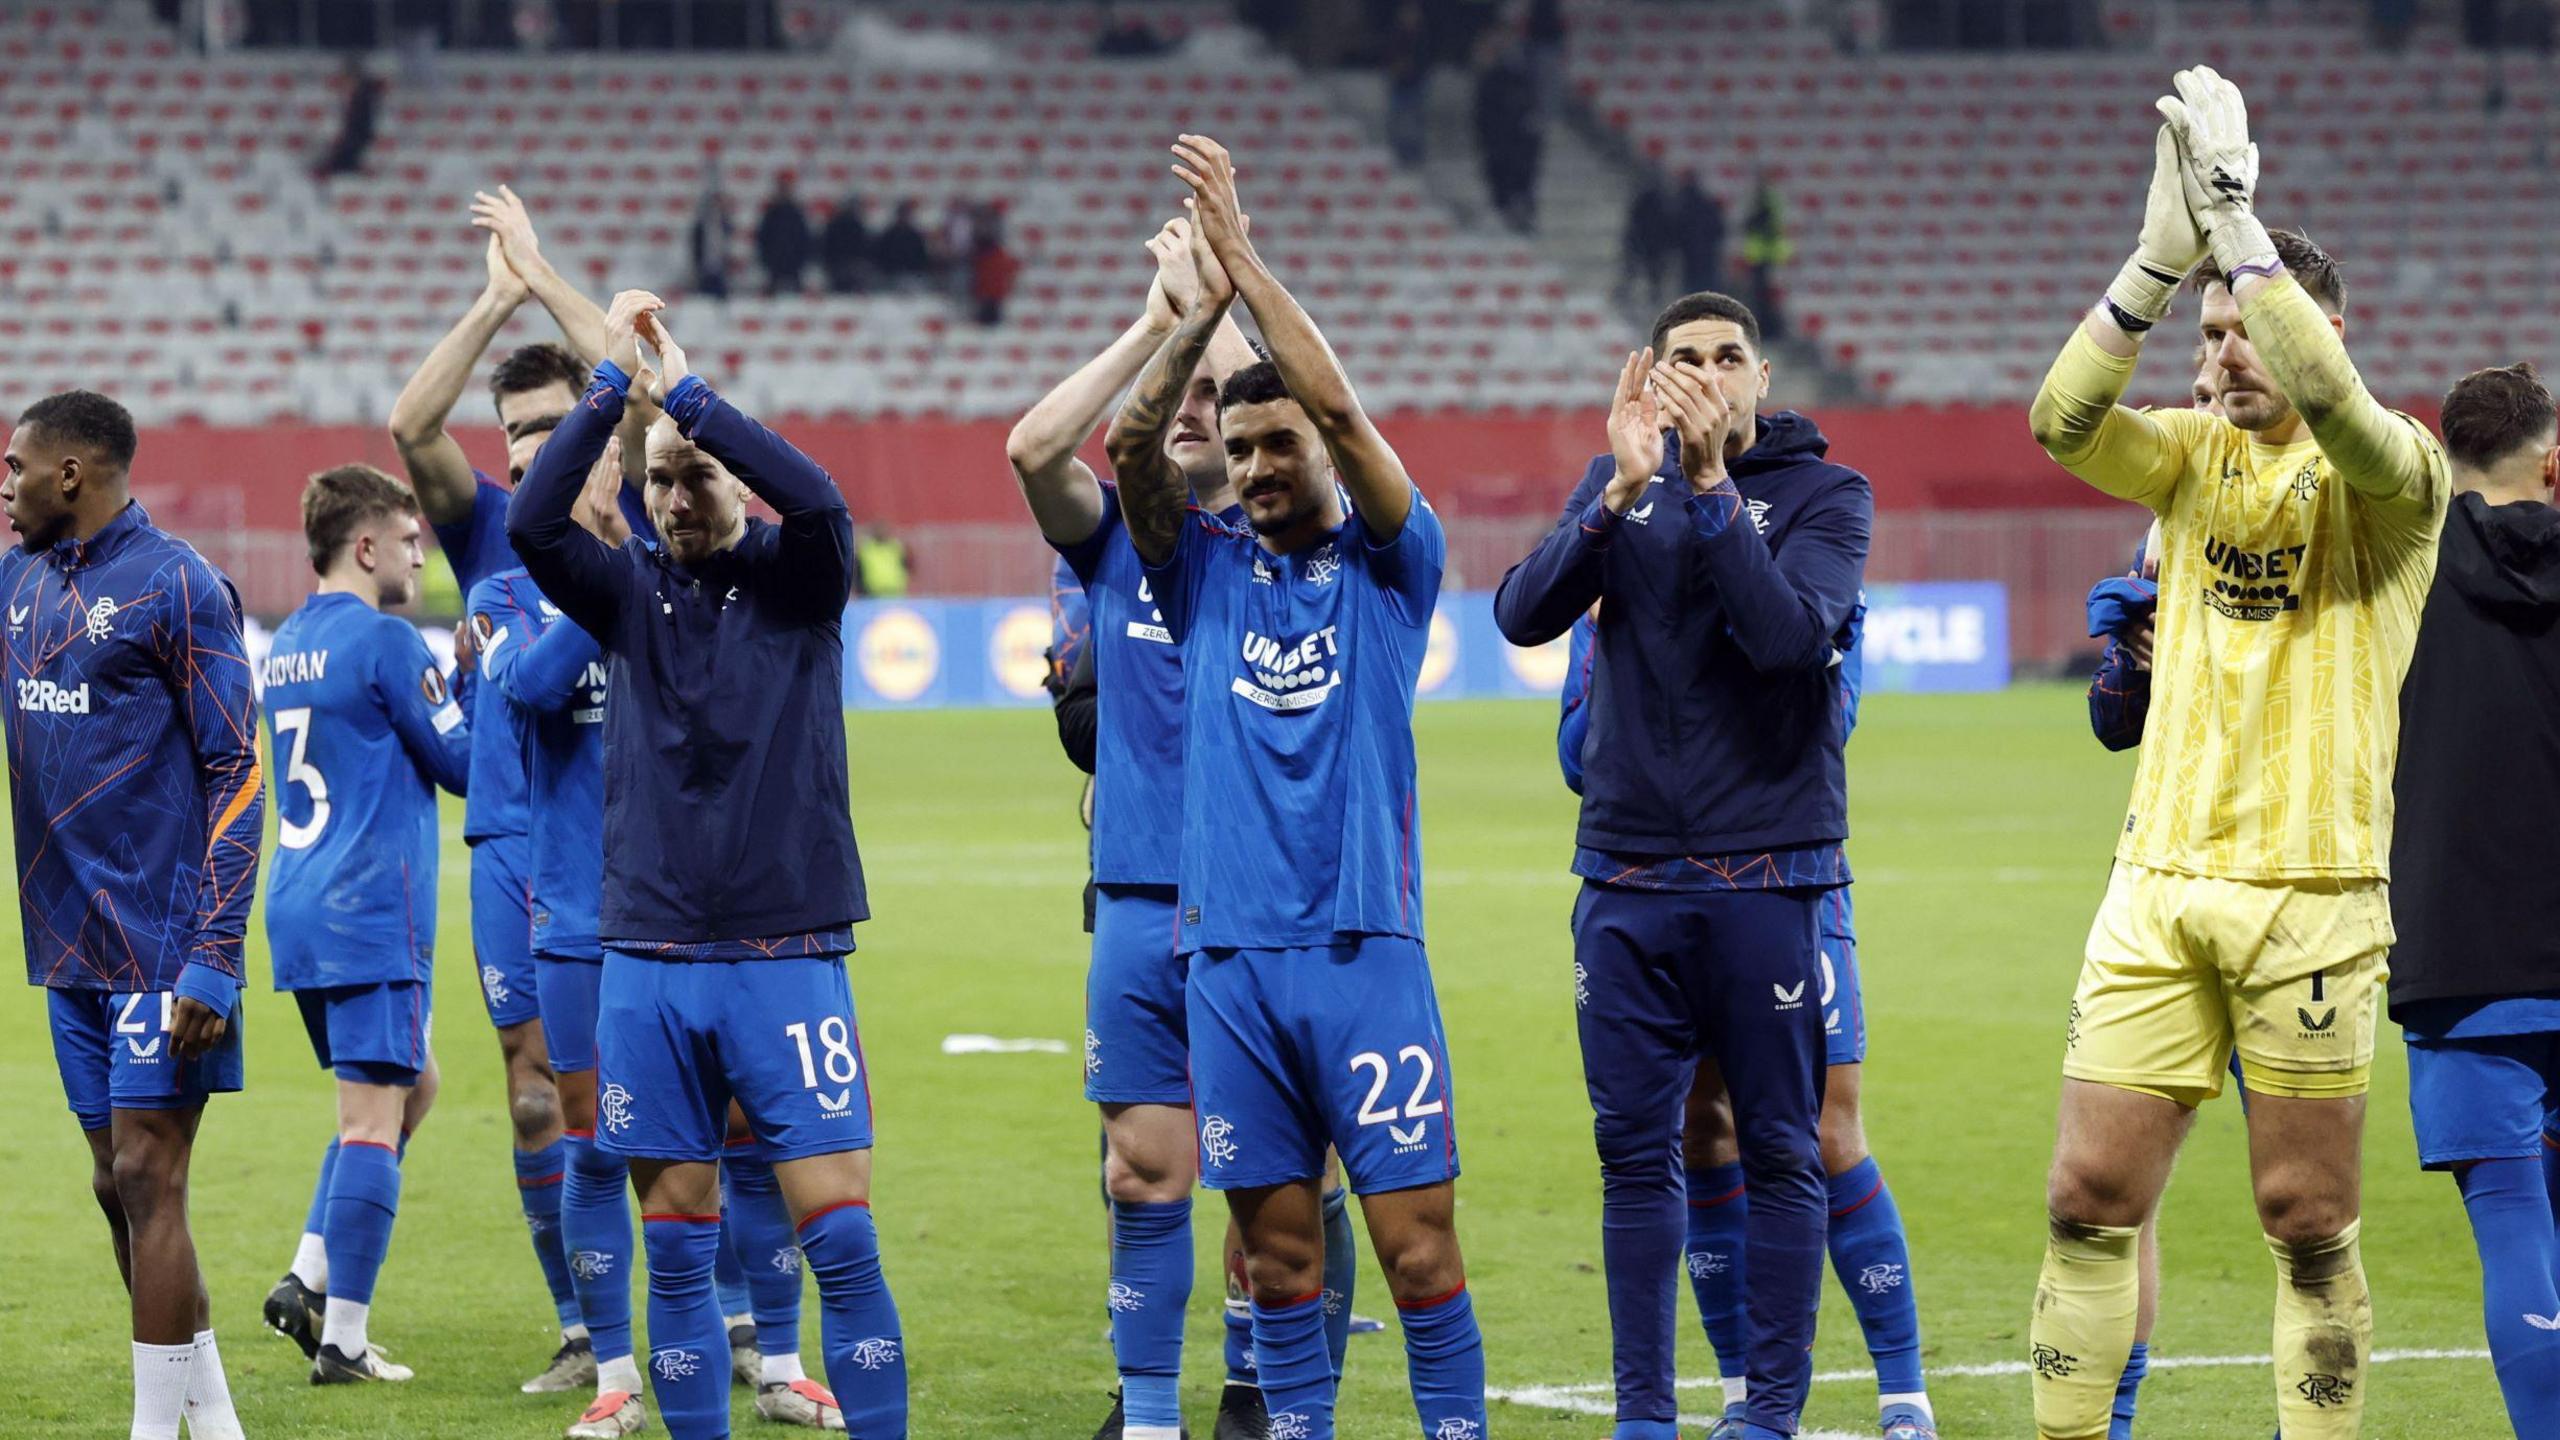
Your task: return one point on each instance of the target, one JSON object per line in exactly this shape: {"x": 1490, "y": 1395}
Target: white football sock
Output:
{"x": 573, "y": 1333}
{"x": 209, "y": 1412}
{"x": 160, "y": 1388}
{"x": 1736, "y": 1390}
{"x": 311, "y": 1262}
{"x": 344, "y": 1327}
{"x": 1917, "y": 1400}
{"x": 622, "y": 1374}
{"x": 783, "y": 1369}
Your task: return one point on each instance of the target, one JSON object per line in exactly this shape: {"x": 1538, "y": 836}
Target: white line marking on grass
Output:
{"x": 1588, "y": 1399}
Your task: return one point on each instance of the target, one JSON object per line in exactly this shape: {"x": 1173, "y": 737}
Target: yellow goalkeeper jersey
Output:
{"x": 2289, "y": 603}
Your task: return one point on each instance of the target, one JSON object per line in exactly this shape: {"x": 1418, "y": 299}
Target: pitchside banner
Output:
{"x": 931, "y": 654}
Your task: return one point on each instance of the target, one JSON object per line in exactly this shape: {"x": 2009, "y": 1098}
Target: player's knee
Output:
{"x": 2080, "y": 1195}
{"x": 147, "y": 1179}
{"x": 2303, "y": 1215}
{"x": 1423, "y": 1265}
{"x": 102, "y": 1186}
{"x": 534, "y": 1108}
{"x": 1770, "y": 1149}
{"x": 1843, "y": 1139}
{"x": 1135, "y": 1175}
{"x": 1630, "y": 1147}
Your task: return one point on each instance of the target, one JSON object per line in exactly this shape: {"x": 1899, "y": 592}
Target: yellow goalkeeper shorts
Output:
{"x": 2183, "y": 969}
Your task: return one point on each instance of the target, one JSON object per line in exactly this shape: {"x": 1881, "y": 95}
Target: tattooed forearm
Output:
{"x": 1153, "y": 490}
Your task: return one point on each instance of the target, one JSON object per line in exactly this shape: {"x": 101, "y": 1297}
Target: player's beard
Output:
{"x": 1302, "y": 505}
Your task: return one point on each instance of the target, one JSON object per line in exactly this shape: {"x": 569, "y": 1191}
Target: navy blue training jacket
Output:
{"x": 727, "y": 815}
{"x": 1715, "y": 721}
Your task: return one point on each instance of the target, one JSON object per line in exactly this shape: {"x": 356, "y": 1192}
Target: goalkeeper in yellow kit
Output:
{"x": 2247, "y": 907}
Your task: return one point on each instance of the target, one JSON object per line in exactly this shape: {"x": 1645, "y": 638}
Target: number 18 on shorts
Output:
{"x": 1294, "y": 1050}
{"x": 678, "y": 1039}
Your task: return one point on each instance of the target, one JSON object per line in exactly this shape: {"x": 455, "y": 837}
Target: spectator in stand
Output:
{"x": 844, "y": 248}
{"x": 1508, "y": 139}
{"x": 1765, "y": 248}
{"x": 955, "y": 245}
{"x": 900, "y": 254}
{"x": 1127, "y": 37}
{"x": 1409, "y": 86}
{"x": 1544, "y": 33}
{"x": 713, "y": 235}
{"x": 1697, "y": 219}
{"x": 992, "y": 271}
{"x": 881, "y": 564}
{"x": 356, "y": 130}
{"x": 782, "y": 239}
{"x": 1647, "y": 246}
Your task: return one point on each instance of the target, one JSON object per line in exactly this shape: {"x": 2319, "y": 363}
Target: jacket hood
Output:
{"x": 2516, "y": 563}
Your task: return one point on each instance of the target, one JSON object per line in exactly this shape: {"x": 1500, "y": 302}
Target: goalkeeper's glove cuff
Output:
{"x": 2241, "y": 247}
{"x": 2140, "y": 295}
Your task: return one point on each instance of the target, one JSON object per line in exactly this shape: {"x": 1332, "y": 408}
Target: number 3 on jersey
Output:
{"x": 296, "y": 722}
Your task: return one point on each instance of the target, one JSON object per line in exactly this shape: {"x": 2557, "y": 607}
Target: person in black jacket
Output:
{"x": 2475, "y": 980}
{"x": 731, "y": 878}
{"x": 1729, "y": 553}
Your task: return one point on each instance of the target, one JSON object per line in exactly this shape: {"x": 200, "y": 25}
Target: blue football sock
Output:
{"x": 539, "y": 1174}
{"x": 728, "y": 1276}
{"x": 364, "y": 1198}
{"x": 1444, "y": 1362}
{"x": 857, "y": 1321}
{"x": 1873, "y": 1261}
{"x": 1719, "y": 1212}
{"x": 2136, "y": 1366}
{"x": 316, "y": 1220}
{"x": 1341, "y": 1274}
{"x": 595, "y": 1228}
{"x": 2511, "y": 1225}
{"x": 1150, "y": 1291}
{"x": 1296, "y": 1374}
{"x": 759, "y": 1227}
{"x": 688, "y": 1349}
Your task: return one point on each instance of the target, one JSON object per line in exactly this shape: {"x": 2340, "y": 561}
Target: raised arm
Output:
{"x": 1065, "y": 497}
{"x": 816, "y": 539}
{"x": 1543, "y": 595}
{"x": 1154, "y": 492}
{"x": 582, "y": 574}
{"x": 2075, "y": 417}
{"x": 580, "y": 319}
{"x": 206, "y": 664}
{"x": 1381, "y": 492}
{"x": 437, "y": 468}
{"x": 2382, "y": 456}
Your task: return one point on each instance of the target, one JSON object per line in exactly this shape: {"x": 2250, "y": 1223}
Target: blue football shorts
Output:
{"x": 677, "y": 1040}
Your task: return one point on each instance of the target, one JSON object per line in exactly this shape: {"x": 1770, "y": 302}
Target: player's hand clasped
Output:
{"x": 1697, "y": 408}
{"x": 2218, "y": 167}
{"x": 1217, "y": 216}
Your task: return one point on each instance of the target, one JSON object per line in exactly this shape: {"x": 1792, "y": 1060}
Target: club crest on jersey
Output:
{"x": 102, "y": 619}
{"x": 1759, "y": 514}
{"x": 1323, "y": 565}
{"x": 875, "y": 1352}
{"x": 2306, "y": 481}
{"x": 1289, "y": 677}
{"x": 493, "y": 983}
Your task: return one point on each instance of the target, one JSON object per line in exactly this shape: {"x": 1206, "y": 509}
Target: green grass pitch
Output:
{"x": 1983, "y": 825}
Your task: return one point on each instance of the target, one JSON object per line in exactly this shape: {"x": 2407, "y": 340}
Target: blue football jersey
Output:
{"x": 1137, "y": 677}
{"x": 549, "y": 675}
{"x": 1298, "y": 817}
{"x": 133, "y": 763}
{"x": 476, "y": 545}
{"x": 363, "y": 730}
{"x": 503, "y": 603}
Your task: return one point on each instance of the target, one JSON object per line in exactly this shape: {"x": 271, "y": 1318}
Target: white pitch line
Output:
{"x": 1594, "y": 1399}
